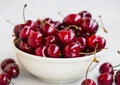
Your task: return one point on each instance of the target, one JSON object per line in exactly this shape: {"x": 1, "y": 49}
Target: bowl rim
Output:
{"x": 48, "y": 59}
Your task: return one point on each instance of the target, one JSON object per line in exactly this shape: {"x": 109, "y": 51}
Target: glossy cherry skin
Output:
{"x": 72, "y": 19}
{"x": 41, "y": 51}
{"x": 5, "y": 79}
{"x": 49, "y": 39}
{"x": 53, "y": 51}
{"x": 88, "y": 82}
{"x": 66, "y": 36}
{"x": 12, "y": 69}
{"x": 35, "y": 39}
{"x": 85, "y": 14}
{"x": 98, "y": 41}
{"x": 24, "y": 33}
{"x": 24, "y": 46}
{"x": 17, "y": 29}
{"x": 48, "y": 29}
{"x": 29, "y": 23}
{"x": 89, "y": 25}
{"x": 81, "y": 41}
{"x": 6, "y": 62}
{"x": 117, "y": 77}
{"x": 105, "y": 79}
{"x": 106, "y": 68}
{"x": 72, "y": 50}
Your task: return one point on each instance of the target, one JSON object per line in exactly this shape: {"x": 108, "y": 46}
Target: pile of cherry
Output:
{"x": 10, "y": 70}
{"x": 106, "y": 77}
{"x": 76, "y": 34}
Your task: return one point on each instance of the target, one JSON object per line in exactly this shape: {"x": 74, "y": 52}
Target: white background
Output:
{"x": 12, "y": 10}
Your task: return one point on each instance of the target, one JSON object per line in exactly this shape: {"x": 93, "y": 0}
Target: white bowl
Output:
{"x": 58, "y": 70}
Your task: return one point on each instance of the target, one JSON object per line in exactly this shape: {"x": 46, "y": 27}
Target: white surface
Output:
{"x": 12, "y": 10}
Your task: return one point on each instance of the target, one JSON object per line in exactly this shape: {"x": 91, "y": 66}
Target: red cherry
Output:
{"x": 5, "y": 79}
{"x": 117, "y": 77}
{"x": 81, "y": 41}
{"x": 49, "y": 20}
{"x": 88, "y": 82}
{"x": 25, "y": 47}
{"x": 72, "y": 50}
{"x": 12, "y": 69}
{"x": 105, "y": 79}
{"x": 53, "y": 51}
{"x": 29, "y": 23}
{"x": 96, "y": 40}
{"x": 17, "y": 29}
{"x": 6, "y": 62}
{"x": 41, "y": 51}
{"x": 72, "y": 19}
{"x": 48, "y": 29}
{"x": 106, "y": 68}
{"x": 89, "y": 25}
{"x": 49, "y": 39}
{"x": 35, "y": 39}
{"x": 85, "y": 14}
{"x": 66, "y": 36}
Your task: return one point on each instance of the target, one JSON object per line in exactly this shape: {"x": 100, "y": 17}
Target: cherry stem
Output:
{"x": 116, "y": 66}
{"x": 94, "y": 60}
{"x": 118, "y": 52}
{"x": 103, "y": 27}
{"x": 93, "y": 51}
{"x": 12, "y": 83}
{"x": 24, "y": 12}
{"x": 73, "y": 26}
{"x": 10, "y": 22}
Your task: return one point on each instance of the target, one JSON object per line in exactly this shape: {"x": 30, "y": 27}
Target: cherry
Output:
{"x": 29, "y": 23}
{"x": 89, "y": 25}
{"x": 94, "y": 40}
{"x": 72, "y": 19}
{"x": 81, "y": 41}
{"x": 24, "y": 33}
{"x": 49, "y": 20}
{"x": 72, "y": 50}
{"x": 88, "y": 82}
{"x": 106, "y": 68}
{"x": 35, "y": 39}
{"x": 49, "y": 39}
{"x": 85, "y": 14}
{"x": 117, "y": 77}
{"x": 66, "y": 36}
{"x": 6, "y": 62}
{"x": 53, "y": 51}
{"x": 105, "y": 79}
{"x": 24, "y": 46}
{"x": 5, "y": 79}
{"x": 12, "y": 69}
{"x": 17, "y": 29}
{"x": 41, "y": 51}
{"x": 48, "y": 29}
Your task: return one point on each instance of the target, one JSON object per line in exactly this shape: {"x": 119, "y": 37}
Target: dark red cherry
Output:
{"x": 53, "y": 51}
{"x": 35, "y": 39}
{"x": 117, "y": 78}
{"x": 17, "y": 29}
{"x": 56, "y": 24}
{"x": 6, "y": 62}
{"x": 41, "y": 51}
{"x": 66, "y": 36}
{"x": 48, "y": 20}
{"x": 72, "y": 50}
{"x": 85, "y": 14}
{"x": 81, "y": 41}
{"x": 105, "y": 79}
{"x": 24, "y": 33}
{"x": 12, "y": 69}
{"x": 89, "y": 25}
{"x": 106, "y": 68}
{"x": 88, "y": 82}
{"x": 49, "y": 39}
{"x": 29, "y": 23}
{"x": 5, "y": 79}
{"x": 48, "y": 29}
{"x": 98, "y": 41}
{"x": 72, "y": 19}
{"x": 24, "y": 46}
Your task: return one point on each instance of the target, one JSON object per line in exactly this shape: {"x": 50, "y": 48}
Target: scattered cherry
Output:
{"x": 5, "y": 79}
